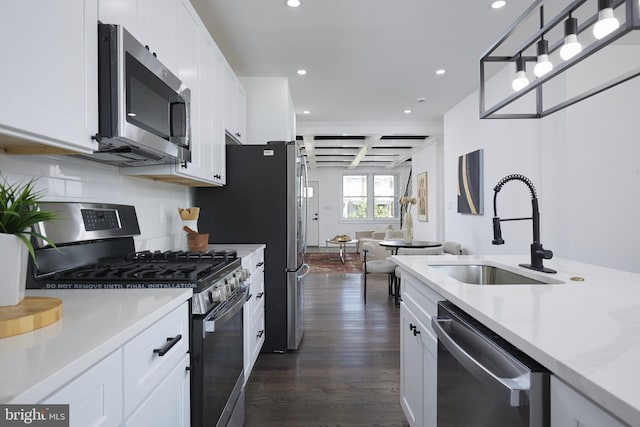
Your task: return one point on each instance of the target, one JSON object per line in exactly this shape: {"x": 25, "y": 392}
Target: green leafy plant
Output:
{"x": 19, "y": 212}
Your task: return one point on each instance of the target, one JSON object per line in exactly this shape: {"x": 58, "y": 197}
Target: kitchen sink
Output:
{"x": 478, "y": 274}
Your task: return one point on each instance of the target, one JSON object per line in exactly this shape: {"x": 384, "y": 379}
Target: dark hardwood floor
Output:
{"x": 346, "y": 371}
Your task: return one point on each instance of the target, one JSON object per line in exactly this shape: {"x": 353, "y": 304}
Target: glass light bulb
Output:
{"x": 543, "y": 66}
{"x": 571, "y": 47}
{"x": 520, "y": 81}
{"x": 607, "y": 23}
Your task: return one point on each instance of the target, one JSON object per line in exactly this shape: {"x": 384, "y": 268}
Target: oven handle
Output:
{"x": 516, "y": 388}
{"x": 220, "y": 319}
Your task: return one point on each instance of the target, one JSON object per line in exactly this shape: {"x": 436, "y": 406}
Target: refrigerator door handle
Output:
{"x": 307, "y": 269}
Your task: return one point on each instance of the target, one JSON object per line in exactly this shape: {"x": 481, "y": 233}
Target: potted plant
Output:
{"x": 19, "y": 212}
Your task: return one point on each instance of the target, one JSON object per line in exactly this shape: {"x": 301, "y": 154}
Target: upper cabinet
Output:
{"x": 235, "y": 118}
{"x": 149, "y": 21}
{"x": 50, "y": 76}
{"x": 197, "y": 61}
{"x": 270, "y": 111}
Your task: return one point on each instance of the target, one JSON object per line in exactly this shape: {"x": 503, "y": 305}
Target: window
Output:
{"x": 369, "y": 196}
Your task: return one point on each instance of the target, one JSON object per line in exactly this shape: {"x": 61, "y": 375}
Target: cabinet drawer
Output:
{"x": 421, "y": 300}
{"x": 258, "y": 333}
{"x": 257, "y": 289}
{"x": 150, "y": 356}
{"x": 258, "y": 261}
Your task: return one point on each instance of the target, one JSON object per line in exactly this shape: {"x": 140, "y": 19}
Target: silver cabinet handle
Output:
{"x": 515, "y": 389}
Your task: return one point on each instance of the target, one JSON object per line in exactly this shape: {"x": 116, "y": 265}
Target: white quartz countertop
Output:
{"x": 243, "y": 249}
{"x": 585, "y": 332}
{"x": 94, "y": 323}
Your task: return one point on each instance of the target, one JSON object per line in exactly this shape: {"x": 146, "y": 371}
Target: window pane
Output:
{"x": 354, "y": 196}
{"x": 384, "y": 196}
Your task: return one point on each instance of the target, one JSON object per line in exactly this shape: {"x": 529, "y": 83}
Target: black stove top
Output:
{"x": 148, "y": 269}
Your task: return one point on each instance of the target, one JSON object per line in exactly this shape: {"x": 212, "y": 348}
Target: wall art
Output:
{"x": 470, "y": 183}
{"x": 423, "y": 199}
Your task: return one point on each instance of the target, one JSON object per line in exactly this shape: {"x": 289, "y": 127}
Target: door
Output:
{"x": 313, "y": 223}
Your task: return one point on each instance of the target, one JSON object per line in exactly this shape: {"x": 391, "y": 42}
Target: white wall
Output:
{"x": 584, "y": 163}
{"x": 330, "y": 204}
{"x": 70, "y": 179}
{"x": 429, "y": 160}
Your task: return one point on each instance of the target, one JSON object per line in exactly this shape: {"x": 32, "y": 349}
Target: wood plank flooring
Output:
{"x": 346, "y": 371}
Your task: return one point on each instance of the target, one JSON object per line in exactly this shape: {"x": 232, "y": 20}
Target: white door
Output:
{"x": 312, "y": 213}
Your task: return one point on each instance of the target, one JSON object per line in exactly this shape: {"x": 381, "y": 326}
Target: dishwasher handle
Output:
{"x": 517, "y": 389}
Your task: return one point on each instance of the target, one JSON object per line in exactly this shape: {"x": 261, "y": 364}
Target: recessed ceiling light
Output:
{"x": 407, "y": 111}
{"x": 301, "y": 72}
{"x": 498, "y": 4}
{"x": 293, "y": 3}
{"x": 441, "y": 71}
{"x": 306, "y": 112}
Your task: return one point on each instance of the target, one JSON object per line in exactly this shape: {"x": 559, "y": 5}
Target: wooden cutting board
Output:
{"x": 32, "y": 313}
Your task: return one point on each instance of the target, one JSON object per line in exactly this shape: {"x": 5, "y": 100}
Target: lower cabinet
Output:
{"x": 253, "y": 321}
{"x": 418, "y": 353}
{"x": 570, "y": 408}
{"x": 95, "y": 397}
{"x": 145, "y": 382}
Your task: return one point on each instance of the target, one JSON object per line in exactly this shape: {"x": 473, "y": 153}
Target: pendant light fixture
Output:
{"x": 607, "y": 23}
{"x": 559, "y": 36}
{"x": 543, "y": 65}
{"x": 571, "y": 46}
{"x": 520, "y": 81}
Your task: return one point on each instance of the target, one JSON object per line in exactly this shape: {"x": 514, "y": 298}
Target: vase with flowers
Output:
{"x": 407, "y": 223}
{"x": 19, "y": 212}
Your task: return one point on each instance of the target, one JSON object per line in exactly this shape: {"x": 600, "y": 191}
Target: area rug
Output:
{"x": 330, "y": 263}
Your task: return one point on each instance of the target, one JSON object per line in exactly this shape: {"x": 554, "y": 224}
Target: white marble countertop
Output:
{"x": 94, "y": 323}
{"x": 585, "y": 332}
{"x": 243, "y": 249}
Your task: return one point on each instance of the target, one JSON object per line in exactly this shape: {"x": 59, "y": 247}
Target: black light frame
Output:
{"x": 632, "y": 22}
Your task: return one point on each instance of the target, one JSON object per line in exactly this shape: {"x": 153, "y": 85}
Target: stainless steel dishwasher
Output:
{"x": 482, "y": 379}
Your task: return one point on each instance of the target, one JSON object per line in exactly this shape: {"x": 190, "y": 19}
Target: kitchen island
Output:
{"x": 97, "y": 326}
{"x": 585, "y": 330}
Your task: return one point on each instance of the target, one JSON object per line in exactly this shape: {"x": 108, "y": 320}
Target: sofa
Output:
{"x": 371, "y": 236}
{"x": 381, "y": 252}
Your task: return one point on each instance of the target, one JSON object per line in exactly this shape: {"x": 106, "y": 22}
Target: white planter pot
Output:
{"x": 13, "y": 264}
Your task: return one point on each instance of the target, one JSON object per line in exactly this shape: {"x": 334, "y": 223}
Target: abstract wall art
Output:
{"x": 470, "y": 183}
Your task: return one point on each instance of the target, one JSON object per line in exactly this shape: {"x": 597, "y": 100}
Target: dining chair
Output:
{"x": 385, "y": 266}
{"x": 397, "y": 273}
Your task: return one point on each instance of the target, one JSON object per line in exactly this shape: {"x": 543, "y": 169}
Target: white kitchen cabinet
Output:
{"x": 50, "y": 76}
{"x": 95, "y": 397}
{"x": 271, "y": 115}
{"x": 253, "y": 320}
{"x": 149, "y": 21}
{"x": 570, "y": 408}
{"x": 135, "y": 383}
{"x": 168, "y": 404}
{"x": 418, "y": 353}
{"x": 218, "y": 143}
{"x": 235, "y": 97}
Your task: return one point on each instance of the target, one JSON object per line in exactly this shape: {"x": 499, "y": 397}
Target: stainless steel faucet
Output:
{"x": 538, "y": 253}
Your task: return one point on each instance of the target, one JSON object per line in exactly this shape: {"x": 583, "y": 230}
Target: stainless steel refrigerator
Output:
{"x": 263, "y": 202}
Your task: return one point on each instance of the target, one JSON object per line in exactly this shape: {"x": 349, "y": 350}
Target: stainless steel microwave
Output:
{"x": 143, "y": 107}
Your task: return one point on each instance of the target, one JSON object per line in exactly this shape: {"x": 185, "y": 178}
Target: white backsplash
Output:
{"x": 65, "y": 178}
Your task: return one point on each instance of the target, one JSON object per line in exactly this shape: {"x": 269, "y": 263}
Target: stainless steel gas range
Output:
{"x": 95, "y": 250}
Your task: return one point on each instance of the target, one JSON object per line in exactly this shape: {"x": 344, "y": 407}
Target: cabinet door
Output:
{"x": 156, "y": 29}
{"x": 95, "y": 397}
{"x": 219, "y": 140}
{"x": 50, "y": 74}
{"x": 235, "y": 100}
{"x": 207, "y": 80}
{"x": 411, "y": 368}
{"x": 570, "y": 408}
{"x": 188, "y": 71}
{"x": 168, "y": 405}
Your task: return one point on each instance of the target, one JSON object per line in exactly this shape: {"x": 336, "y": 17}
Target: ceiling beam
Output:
{"x": 368, "y": 143}
{"x": 309, "y": 150}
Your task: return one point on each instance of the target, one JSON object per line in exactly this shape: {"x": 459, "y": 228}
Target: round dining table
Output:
{"x": 397, "y": 244}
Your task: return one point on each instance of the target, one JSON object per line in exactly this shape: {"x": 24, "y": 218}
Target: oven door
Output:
{"x": 217, "y": 378}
